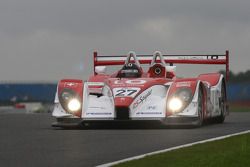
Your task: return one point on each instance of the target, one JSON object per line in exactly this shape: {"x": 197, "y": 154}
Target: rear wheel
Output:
{"x": 222, "y": 103}
{"x": 200, "y": 107}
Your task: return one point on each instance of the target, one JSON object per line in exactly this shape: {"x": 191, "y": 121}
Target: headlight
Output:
{"x": 70, "y": 101}
{"x": 74, "y": 105}
{"x": 184, "y": 94}
{"x": 180, "y": 99}
{"x": 67, "y": 95}
{"x": 175, "y": 104}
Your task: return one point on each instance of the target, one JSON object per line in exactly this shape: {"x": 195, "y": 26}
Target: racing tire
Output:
{"x": 222, "y": 103}
{"x": 200, "y": 107}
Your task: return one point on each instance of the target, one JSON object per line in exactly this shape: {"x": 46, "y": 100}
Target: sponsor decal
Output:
{"x": 70, "y": 84}
{"x": 95, "y": 83}
{"x": 103, "y": 108}
{"x": 209, "y": 57}
{"x": 125, "y": 92}
{"x": 151, "y": 107}
{"x": 150, "y": 110}
{"x": 94, "y": 113}
{"x": 133, "y": 82}
{"x": 145, "y": 113}
{"x": 128, "y": 71}
{"x": 183, "y": 84}
{"x": 192, "y": 57}
{"x": 142, "y": 99}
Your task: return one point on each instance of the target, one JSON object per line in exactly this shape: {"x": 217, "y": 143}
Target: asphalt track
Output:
{"x": 28, "y": 140}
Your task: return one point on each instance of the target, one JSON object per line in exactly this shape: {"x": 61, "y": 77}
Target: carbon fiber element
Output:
{"x": 122, "y": 113}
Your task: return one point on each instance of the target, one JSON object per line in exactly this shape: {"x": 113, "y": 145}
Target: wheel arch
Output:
{"x": 74, "y": 85}
{"x": 204, "y": 99}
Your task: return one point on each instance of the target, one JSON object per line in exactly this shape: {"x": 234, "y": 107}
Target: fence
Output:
{"x": 46, "y": 92}
{"x": 27, "y": 92}
{"x": 238, "y": 91}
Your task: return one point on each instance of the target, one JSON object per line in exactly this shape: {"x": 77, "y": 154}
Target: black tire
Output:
{"x": 200, "y": 107}
{"x": 222, "y": 103}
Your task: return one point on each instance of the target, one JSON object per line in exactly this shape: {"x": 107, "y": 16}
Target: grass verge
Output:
{"x": 229, "y": 152}
{"x": 239, "y": 108}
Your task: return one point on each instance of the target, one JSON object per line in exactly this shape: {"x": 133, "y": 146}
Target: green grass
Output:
{"x": 238, "y": 108}
{"x": 230, "y": 152}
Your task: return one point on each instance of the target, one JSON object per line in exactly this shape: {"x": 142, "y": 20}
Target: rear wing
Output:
{"x": 222, "y": 59}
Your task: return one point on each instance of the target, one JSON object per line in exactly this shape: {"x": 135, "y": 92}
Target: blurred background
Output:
{"x": 39, "y": 97}
{"x": 42, "y": 42}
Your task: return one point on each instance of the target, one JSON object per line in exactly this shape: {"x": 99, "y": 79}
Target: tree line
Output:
{"x": 239, "y": 77}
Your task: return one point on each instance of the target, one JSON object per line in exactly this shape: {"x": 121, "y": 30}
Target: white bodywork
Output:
{"x": 149, "y": 104}
{"x": 212, "y": 105}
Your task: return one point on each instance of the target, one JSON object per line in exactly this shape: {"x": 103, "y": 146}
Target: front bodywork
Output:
{"x": 141, "y": 99}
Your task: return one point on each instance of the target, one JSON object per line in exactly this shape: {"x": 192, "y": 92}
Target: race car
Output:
{"x": 140, "y": 94}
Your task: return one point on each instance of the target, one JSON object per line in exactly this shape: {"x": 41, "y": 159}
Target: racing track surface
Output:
{"x": 28, "y": 140}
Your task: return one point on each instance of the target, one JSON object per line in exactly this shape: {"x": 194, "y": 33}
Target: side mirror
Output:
{"x": 100, "y": 69}
{"x": 170, "y": 69}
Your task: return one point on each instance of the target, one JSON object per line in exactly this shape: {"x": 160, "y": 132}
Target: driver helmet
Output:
{"x": 130, "y": 70}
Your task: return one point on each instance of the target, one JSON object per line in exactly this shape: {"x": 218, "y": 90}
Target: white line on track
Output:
{"x": 172, "y": 148}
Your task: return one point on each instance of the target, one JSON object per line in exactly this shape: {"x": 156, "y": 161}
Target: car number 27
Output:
{"x": 122, "y": 92}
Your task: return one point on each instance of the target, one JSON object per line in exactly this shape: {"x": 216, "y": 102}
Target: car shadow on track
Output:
{"x": 130, "y": 126}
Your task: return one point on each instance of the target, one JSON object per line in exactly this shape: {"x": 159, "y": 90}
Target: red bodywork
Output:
{"x": 76, "y": 86}
{"x": 211, "y": 59}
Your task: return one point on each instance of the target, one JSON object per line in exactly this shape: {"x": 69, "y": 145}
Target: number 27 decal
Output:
{"x": 121, "y": 92}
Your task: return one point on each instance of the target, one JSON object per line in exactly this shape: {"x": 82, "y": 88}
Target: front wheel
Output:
{"x": 222, "y": 101}
{"x": 200, "y": 108}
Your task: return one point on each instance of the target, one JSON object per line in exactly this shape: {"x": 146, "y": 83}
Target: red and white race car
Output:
{"x": 136, "y": 94}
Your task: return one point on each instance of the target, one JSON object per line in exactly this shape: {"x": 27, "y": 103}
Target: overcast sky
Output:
{"x": 46, "y": 40}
